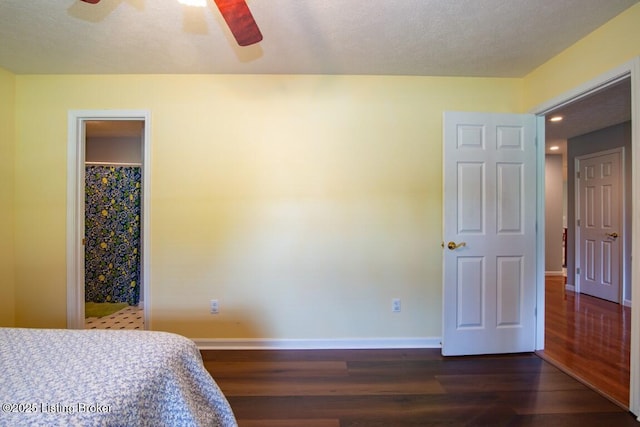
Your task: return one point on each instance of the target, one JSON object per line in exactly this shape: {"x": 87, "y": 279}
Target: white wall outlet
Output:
{"x": 396, "y": 305}
{"x": 214, "y": 307}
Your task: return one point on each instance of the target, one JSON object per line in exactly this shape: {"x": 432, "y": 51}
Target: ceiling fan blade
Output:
{"x": 238, "y": 17}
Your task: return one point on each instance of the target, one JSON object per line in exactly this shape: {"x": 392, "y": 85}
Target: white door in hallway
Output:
{"x": 599, "y": 224}
{"x": 489, "y": 233}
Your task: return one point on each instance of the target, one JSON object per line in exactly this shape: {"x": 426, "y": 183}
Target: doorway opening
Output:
{"x": 581, "y": 330}
{"x": 113, "y": 213}
{"x": 107, "y": 220}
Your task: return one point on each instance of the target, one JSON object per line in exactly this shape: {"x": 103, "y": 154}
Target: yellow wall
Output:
{"x": 7, "y": 138}
{"x": 610, "y": 46}
{"x": 303, "y": 203}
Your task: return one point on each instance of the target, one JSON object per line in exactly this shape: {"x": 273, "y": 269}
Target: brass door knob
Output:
{"x": 614, "y": 235}
{"x": 453, "y": 245}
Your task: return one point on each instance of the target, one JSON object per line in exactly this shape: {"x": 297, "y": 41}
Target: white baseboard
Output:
{"x": 626, "y": 302}
{"x": 315, "y": 344}
{"x": 554, "y": 273}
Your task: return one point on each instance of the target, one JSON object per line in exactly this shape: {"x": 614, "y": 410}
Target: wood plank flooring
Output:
{"x": 588, "y": 338}
{"x": 375, "y": 388}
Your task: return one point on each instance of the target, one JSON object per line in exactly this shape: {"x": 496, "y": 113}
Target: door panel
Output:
{"x": 509, "y": 198}
{"x": 470, "y": 310}
{"x": 509, "y": 283}
{"x": 470, "y": 200}
{"x": 489, "y": 218}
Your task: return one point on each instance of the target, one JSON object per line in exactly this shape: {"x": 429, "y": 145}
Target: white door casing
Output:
{"x": 490, "y": 211}
{"x": 75, "y": 208}
{"x": 599, "y": 228}
{"x": 630, "y": 69}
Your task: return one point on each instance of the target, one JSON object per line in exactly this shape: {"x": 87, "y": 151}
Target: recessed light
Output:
{"x": 554, "y": 148}
{"x": 556, "y": 119}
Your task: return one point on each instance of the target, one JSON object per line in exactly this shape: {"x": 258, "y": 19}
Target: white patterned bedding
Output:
{"x": 51, "y": 377}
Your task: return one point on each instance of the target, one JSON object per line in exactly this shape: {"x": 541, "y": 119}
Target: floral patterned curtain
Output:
{"x": 112, "y": 234}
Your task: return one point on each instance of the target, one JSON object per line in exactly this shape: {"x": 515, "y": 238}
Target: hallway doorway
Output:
{"x": 586, "y": 336}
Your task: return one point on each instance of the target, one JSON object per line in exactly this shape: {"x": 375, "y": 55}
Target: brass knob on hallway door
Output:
{"x": 453, "y": 245}
{"x": 614, "y": 235}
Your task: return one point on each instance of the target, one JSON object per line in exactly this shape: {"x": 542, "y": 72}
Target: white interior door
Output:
{"x": 599, "y": 225}
{"x": 489, "y": 233}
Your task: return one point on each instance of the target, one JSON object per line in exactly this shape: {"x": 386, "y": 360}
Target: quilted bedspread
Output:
{"x": 51, "y": 377}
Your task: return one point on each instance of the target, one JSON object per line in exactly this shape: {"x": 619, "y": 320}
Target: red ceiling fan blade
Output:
{"x": 238, "y": 17}
{"x": 240, "y": 21}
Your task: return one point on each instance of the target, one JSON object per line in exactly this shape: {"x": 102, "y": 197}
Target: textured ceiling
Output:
{"x": 498, "y": 38}
{"x": 607, "y": 107}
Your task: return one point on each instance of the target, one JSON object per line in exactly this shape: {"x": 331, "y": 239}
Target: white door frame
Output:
{"x": 622, "y": 219}
{"x": 75, "y": 208}
{"x": 629, "y": 69}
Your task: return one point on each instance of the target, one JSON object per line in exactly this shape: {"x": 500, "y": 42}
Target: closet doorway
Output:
{"x": 113, "y": 214}
{"x": 107, "y": 242}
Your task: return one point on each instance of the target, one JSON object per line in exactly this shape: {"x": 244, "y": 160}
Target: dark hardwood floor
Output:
{"x": 376, "y": 388}
{"x": 588, "y": 338}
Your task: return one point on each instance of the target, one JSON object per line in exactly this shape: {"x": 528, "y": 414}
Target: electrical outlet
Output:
{"x": 396, "y": 305}
{"x": 214, "y": 307}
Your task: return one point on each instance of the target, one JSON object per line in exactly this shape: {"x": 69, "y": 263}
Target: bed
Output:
{"x": 55, "y": 377}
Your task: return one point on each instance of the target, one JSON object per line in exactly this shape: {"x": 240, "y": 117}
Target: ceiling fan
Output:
{"x": 238, "y": 17}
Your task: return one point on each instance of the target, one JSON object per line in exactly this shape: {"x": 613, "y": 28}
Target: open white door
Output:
{"x": 489, "y": 233}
